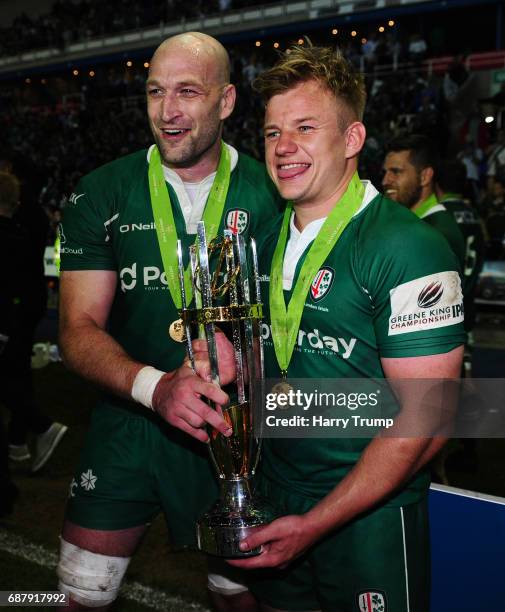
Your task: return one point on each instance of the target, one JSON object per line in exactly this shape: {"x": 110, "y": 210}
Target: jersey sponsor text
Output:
{"x": 426, "y": 303}
{"x": 70, "y": 251}
{"x": 316, "y": 340}
{"x": 152, "y": 278}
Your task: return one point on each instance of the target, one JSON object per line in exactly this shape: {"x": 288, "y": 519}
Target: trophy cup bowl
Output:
{"x": 225, "y": 282}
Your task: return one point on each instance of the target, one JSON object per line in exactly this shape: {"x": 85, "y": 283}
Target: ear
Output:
{"x": 355, "y": 136}
{"x": 427, "y": 175}
{"x": 227, "y": 101}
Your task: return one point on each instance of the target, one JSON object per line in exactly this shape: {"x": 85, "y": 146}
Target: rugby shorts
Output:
{"x": 132, "y": 467}
{"x": 377, "y": 562}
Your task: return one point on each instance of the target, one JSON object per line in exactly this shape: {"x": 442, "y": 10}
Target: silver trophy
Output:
{"x": 225, "y": 282}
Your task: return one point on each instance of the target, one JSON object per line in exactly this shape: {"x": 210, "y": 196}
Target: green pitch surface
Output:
{"x": 165, "y": 578}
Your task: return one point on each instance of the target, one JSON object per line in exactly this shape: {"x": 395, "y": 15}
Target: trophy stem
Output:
{"x": 235, "y": 493}
{"x": 231, "y": 519}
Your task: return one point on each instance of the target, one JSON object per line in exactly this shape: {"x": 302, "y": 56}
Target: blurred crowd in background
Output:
{"x": 61, "y": 127}
{"x": 69, "y": 22}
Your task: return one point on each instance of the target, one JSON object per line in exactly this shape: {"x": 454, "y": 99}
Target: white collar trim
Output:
{"x": 193, "y": 211}
{"x": 299, "y": 241}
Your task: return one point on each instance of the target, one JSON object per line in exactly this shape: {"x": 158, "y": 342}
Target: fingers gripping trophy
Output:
{"x": 223, "y": 275}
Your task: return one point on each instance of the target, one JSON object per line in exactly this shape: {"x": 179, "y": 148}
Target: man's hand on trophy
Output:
{"x": 178, "y": 399}
{"x": 281, "y": 541}
{"x": 225, "y": 359}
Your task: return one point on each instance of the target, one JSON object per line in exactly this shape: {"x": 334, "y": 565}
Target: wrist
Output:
{"x": 144, "y": 384}
{"x": 317, "y": 524}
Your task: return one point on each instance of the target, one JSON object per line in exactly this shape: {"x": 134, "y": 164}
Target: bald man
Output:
{"x": 145, "y": 452}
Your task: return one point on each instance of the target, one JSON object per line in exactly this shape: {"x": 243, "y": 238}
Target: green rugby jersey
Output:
{"x": 375, "y": 302}
{"x": 470, "y": 226}
{"x": 108, "y": 225}
{"x": 443, "y": 221}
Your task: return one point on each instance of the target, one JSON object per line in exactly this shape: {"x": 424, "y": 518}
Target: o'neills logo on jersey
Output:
{"x": 426, "y": 303}
{"x": 372, "y": 601}
{"x": 322, "y": 283}
{"x": 74, "y": 197}
{"x": 136, "y": 227}
{"x": 237, "y": 220}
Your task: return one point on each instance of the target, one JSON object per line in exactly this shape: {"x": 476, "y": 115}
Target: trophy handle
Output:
{"x": 184, "y": 305}
{"x": 205, "y": 290}
{"x": 237, "y": 343}
{"x": 252, "y": 366}
{"x": 258, "y": 406}
{"x": 215, "y": 440}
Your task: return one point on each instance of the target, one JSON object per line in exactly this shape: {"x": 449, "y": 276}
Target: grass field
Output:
{"x": 39, "y": 514}
{"x": 159, "y": 577}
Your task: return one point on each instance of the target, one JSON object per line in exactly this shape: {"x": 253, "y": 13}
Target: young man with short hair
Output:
{"x": 409, "y": 178}
{"x": 353, "y": 535}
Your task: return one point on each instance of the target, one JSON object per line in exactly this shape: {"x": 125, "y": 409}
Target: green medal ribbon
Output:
{"x": 285, "y": 322}
{"x": 425, "y": 206}
{"x": 165, "y": 223}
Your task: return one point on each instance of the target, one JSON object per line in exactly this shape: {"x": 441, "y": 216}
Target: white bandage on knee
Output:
{"x": 144, "y": 384}
{"x": 224, "y": 586}
{"x": 90, "y": 579}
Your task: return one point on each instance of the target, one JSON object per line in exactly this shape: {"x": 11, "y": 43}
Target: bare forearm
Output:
{"x": 385, "y": 466}
{"x": 177, "y": 396}
{"x": 86, "y": 298}
{"x": 92, "y": 353}
{"x": 389, "y": 462}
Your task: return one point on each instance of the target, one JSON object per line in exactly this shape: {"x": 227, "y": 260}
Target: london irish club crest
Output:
{"x": 321, "y": 283}
{"x": 372, "y": 601}
{"x": 237, "y": 220}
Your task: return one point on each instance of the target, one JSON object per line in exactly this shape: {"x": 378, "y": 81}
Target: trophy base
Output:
{"x": 220, "y": 530}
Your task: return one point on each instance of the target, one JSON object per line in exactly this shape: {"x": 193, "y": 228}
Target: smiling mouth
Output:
{"x": 291, "y": 170}
{"x": 174, "y": 133}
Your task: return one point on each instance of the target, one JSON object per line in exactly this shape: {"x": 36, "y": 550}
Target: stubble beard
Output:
{"x": 410, "y": 197}
{"x": 192, "y": 151}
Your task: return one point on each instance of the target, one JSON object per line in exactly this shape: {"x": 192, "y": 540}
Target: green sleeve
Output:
{"x": 84, "y": 240}
{"x": 413, "y": 281}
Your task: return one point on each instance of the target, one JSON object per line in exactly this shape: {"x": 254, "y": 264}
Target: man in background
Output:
{"x": 12, "y": 254}
{"x": 449, "y": 189}
{"x": 409, "y": 178}
{"x": 450, "y": 186}
{"x": 348, "y": 266}
{"x": 28, "y": 224}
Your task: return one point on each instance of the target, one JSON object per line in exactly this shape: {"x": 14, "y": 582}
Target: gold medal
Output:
{"x": 284, "y": 388}
{"x": 176, "y": 331}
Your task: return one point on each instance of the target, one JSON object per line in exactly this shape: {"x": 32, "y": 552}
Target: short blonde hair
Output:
{"x": 325, "y": 65}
